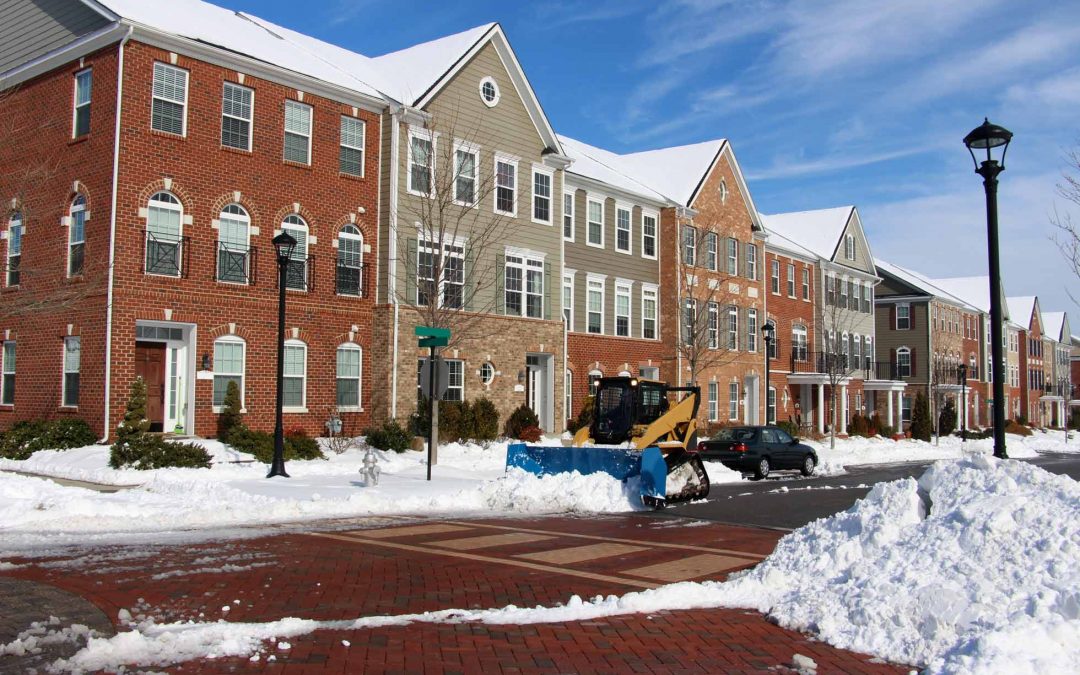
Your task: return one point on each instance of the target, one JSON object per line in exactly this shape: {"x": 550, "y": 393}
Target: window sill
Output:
{"x": 238, "y": 151}
{"x": 505, "y": 214}
{"x": 9, "y": 289}
{"x": 166, "y": 134}
{"x": 78, "y": 139}
{"x": 217, "y": 410}
{"x": 589, "y": 243}
{"x": 350, "y": 176}
{"x": 549, "y": 223}
{"x": 294, "y": 411}
{"x": 350, "y": 409}
{"x": 298, "y": 165}
{"x": 619, "y": 250}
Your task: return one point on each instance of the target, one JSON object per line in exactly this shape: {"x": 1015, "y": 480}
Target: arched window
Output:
{"x": 164, "y": 235}
{"x": 294, "y": 383}
{"x": 903, "y": 362}
{"x": 723, "y": 190}
{"x": 844, "y": 353}
{"x": 296, "y": 277}
{"x": 234, "y": 245}
{"x": 856, "y": 351}
{"x": 868, "y": 352}
{"x": 76, "y": 235}
{"x": 350, "y": 261}
{"x": 14, "y": 248}
{"x": 349, "y": 361}
{"x": 487, "y": 373}
{"x": 229, "y": 358}
{"x": 568, "y": 394}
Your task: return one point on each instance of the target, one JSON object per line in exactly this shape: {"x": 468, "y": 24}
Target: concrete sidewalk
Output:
{"x": 367, "y": 567}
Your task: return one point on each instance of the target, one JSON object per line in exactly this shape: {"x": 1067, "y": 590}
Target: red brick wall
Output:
{"x": 609, "y": 355}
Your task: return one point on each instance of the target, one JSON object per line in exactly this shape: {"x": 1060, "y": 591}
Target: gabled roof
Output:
{"x": 1022, "y": 308}
{"x": 606, "y": 167}
{"x": 779, "y": 242}
{"x": 920, "y": 283}
{"x": 1056, "y": 326}
{"x": 414, "y": 70}
{"x": 975, "y": 291}
{"x": 817, "y": 231}
{"x": 677, "y": 171}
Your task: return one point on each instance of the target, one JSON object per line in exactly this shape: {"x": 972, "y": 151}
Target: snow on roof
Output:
{"x": 1054, "y": 324}
{"x": 818, "y": 231}
{"x": 676, "y": 171}
{"x": 414, "y": 70}
{"x": 975, "y": 291}
{"x": 606, "y": 167}
{"x": 923, "y": 283}
{"x": 1021, "y": 308}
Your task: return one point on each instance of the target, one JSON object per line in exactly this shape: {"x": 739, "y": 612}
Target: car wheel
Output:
{"x": 762, "y": 469}
{"x": 808, "y": 465}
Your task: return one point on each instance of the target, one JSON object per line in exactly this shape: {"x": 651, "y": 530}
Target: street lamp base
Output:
{"x": 277, "y": 470}
{"x": 1001, "y": 455}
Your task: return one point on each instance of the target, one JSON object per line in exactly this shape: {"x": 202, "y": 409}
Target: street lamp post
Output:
{"x": 986, "y": 137}
{"x": 767, "y": 333}
{"x": 284, "y": 244}
{"x": 963, "y": 398}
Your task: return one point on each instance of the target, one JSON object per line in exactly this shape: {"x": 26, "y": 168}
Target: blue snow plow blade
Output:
{"x": 620, "y": 463}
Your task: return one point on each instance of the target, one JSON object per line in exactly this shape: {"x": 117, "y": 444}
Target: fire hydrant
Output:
{"x": 371, "y": 468}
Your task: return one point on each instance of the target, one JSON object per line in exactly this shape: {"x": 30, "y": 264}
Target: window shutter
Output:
{"x": 911, "y": 319}
{"x": 411, "y": 263}
{"x": 500, "y": 283}
{"x": 469, "y": 288}
{"x": 913, "y": 366}
{"x": 892, "y": 357}
{"x": 549, "y": 291}
{"x": 892, "y": 317}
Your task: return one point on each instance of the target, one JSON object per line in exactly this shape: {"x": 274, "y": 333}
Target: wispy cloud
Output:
{"x": 561, "y": 14}
{"x": 831, "y": 163}
{"x": 345, "y": 11}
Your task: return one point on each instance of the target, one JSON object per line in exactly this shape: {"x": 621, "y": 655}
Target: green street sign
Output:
{"x": 434, "y": 341}
{"x": 427, "y": 331}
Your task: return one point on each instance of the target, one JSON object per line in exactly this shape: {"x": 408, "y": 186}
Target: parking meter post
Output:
{"x": 433, "y": 410}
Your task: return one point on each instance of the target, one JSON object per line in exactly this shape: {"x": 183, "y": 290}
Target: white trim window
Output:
{"x": 622, "y": 309}
{"x": 294, "y": 379}
{"x": 733, "y": 400}
{"x": 594, "y": 381}
{"x": 843, "y": 302}
{"x": 751, "y": 330}
{"x": 296, "y": 275}
{"x": 350, "y": 261}
{"x": 903, "y": 362}
{"x": 806, "y": 284}
{"x": 856, "y": 351}
{"x": 868, "y": 353}
{"x": 568, "y": 393}
{"x": 164, "y": 235}
{"x": 903, "y": 316}
{"x": 76, "y": 248}
{"x": 455, "y": 380}
{"x": 351, "y": 150}
{"x": 568, "y": 300}
{"x": 466, "y": 163}
{"x": 7, "y": 384}
{"x": 595, "y": 306}
{"x": 791, "y": 280}
{"x": 751, "y": 261}
{"x": 168, "y": 107}
{"x": 770, "y": 406}
{"x": 421, "y": 174}
{"x": 80, "y": 120}
{"x": 867, "y": 303}
{"x": 714, "y": 401}
{"x": 689, "y": 244}
{"x": 650, "y": 330}
{"x": 713, "y": 311}
{"x": 849, "y": 247}
{"x": 689, "y": 322}
{"x": 297, "y": 132}
{"x": 505, "y": 185}
{"x": 708, "y": 245}
{"x": 524, "y": 288}
{"x": 845, "y": 351}
{"x": 799, "y": 343}
{"x": 450, "y": 290}
{"x": 234, "y": 232}
{"x": 623, "y": 242}
{"x": 230, "y": 358}
{"x": 733, "y": 327}
{"x": 568, "y": 216}
{"x": 594, "y": 227}
{"x": 723, "y": 191}
{"x": 69, "y": 398}
{"x": 237, "y": 109}
{"x": 774, "y": 277}
{"x": 648, "y": 235}
{"x": 732, "y": 256}
{"x": 543, "y": 182}
{"x": 14, "y": 248}
{"x": 349, "y": 363}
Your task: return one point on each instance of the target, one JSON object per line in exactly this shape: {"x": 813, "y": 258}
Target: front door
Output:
{"x": 150, "y": 366}
{"x": 539, "y": 388}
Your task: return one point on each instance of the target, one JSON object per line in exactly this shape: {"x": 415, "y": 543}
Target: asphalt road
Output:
{"x": 787, "y": 500}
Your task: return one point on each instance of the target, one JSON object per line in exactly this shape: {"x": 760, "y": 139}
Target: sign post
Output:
{"x": 432, "y": 338}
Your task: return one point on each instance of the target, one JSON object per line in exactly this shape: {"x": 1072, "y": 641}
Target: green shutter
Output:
{"x": 469, "y": 289}
{"x": 500, "y": 283}
{"x": 549, "y": 288}
{"x": 411, "y": 269}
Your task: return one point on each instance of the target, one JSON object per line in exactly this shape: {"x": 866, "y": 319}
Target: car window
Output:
{"x": 734, "y": 434}
{"x": 768, "y": 436}
{"x": 782, "y": 436}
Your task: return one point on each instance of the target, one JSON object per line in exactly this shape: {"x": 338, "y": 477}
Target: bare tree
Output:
{"x": 1067, "y": 234}
{"x": 837, "y": 358}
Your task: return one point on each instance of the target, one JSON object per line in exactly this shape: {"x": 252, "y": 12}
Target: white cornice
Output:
{"x": 81, "y": 47}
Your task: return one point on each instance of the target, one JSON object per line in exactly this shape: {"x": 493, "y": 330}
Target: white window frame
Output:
{"x": 712, "y": 311}
{"x": 589, "y": 201}
{"x": 733, "y": 401}
{"x": 629, "y": 211}
{"x": 655, "y": 218}
{"x": 751, "y": 330}
{"x": 302, "y": 408}
{"x": 183, "y": 104}
{"x": 688, "y": 248}
{"x": 465, "y": 148}
{"x": 868, "y": 353}
{"x": 76, "y": 105}
{"x": 359, "y": 148}
{"x": 733, "y": 328}
{"x": 624, "y": 290}
{"x": 806, "y": 284}
{"x": 232, "y": 340}
{"x": 732, "y": 256}
{"x": 594, "y": 380}
{"x": 525, "y": 261}
{"x": 510, "y": 161}
{"x": 774, "y": 277}
{"x": 177, "y": 206}
{"x": 594, "y": 284}
{"x": 568, "y": 215}
{"x": 799, "y": 343}
{"x": 907, "y": 308}
{"x": 714, "y": 401}
{"x": 77, "y": 211}
{"x": 350, "y": 232}
{"x": 299, "y": 255}
{"x": 543, "y": 171}
{"x": 359, "y": 378}
{"x": 849, "y": 246}
{"x": 791, "y": 280}
{"x": 708, "y": 250}
{"x": 903, "y": 351}
{"x": 250, "y": 119}
{"x": 433, "y": 140}
{"x": 568, "y": 298}
{"x": 453, "y": 365}
{"x": 301, "y": 108}
{"x": 245, "y": 219}
{"x": 10, "y": 348}
{"x": 650, "y": 292}
{"x": 751, "y": 261}
{"x": 16, "y": 221}
{"x": 447, "y": 250}
{"x": 568, "y": 393}
{"x": 72, "y": 339}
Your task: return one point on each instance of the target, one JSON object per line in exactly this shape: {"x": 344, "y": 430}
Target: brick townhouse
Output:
{"x": 1025, "y": 311}
{"x": 1059, "y": 378}
{"x": 148, "y": 254}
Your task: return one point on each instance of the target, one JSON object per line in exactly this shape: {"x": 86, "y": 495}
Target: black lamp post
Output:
{"x": 767, "y": 333}
{"x": 284, "y": 244}
{"x": 963, "y": 398}
{"x": 987, "y": 137}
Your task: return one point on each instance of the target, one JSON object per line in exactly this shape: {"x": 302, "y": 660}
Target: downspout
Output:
{"x": 112, "y": 231}
{"x": 392, "y": 262}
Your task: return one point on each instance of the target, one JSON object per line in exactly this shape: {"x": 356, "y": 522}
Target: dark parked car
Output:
{"x": 759, "y": 450}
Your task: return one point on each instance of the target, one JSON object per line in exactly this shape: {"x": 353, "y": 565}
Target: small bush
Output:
{"x": 388, "y": 437}
{"x": 485, "y": 420}
{"x": 18, "y": 441}
{"x": 530, "y": 434}
{"x": 302, "y": 446}
{"x": 298, "y": 445}
{"x": 147, "y": 451}
{"x": 976, "y": 434}
{"x": 860, "y": 426}
{"x": 455, "y": 421}
{"x": 520, "y": 419}
{"x": 884, "y": 430}
{"x": 790, "y": 427}
{"x": 921, "y": 427}
{"x": 420, "y": 421}
{"x": 230, "y": 416}
{"x": 1012, "y": 427}
{"x": 584, "y": 417}
{"x": 947, "y": 418}
{"x": 1022, "y": 419}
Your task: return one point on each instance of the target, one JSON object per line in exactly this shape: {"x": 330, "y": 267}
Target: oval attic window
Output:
{"x": 489, "y": 92}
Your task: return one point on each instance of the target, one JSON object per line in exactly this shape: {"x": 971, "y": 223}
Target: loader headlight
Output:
{"x": 633, "y": 382}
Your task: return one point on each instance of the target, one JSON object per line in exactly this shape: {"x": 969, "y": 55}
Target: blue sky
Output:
{"x": 826, "y": 103}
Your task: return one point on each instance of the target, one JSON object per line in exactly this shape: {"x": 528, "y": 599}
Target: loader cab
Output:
{"x": 624, "y": 406}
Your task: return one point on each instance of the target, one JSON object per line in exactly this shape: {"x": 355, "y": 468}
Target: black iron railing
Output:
{"x": 236, "y": 264}
{"x": 300, "y": 274}
{"x": 165, "y": 255}
{"x": 844, "y": 365}
{"x": 350, "y": 279}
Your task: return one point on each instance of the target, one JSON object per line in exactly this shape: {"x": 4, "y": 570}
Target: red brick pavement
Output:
{"x": 346, "y": 571}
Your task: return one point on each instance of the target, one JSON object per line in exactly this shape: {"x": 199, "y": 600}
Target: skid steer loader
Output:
{"x": 637, "y": 430}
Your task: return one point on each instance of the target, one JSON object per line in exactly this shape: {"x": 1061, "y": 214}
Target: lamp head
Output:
{"x": 986, "y": 137}
{"x": 284, "y": 245}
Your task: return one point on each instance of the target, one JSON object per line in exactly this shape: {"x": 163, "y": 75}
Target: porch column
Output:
{"x": 899, "y": 409}
{"x": 842, "y": 420}
{"x": 889, "y": 399}
{"x": 820, "y": 408}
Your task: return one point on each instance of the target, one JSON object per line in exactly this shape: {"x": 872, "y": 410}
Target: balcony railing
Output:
{"x": 843, "y": 365}
{"x": 350, "y": 280}
{"x": 236, "y": 264}
{"x": 300, "y": 274}
{"x": 165, "y": 255}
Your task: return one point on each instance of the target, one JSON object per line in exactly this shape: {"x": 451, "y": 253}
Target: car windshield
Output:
{"x": 735, "y": 434}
